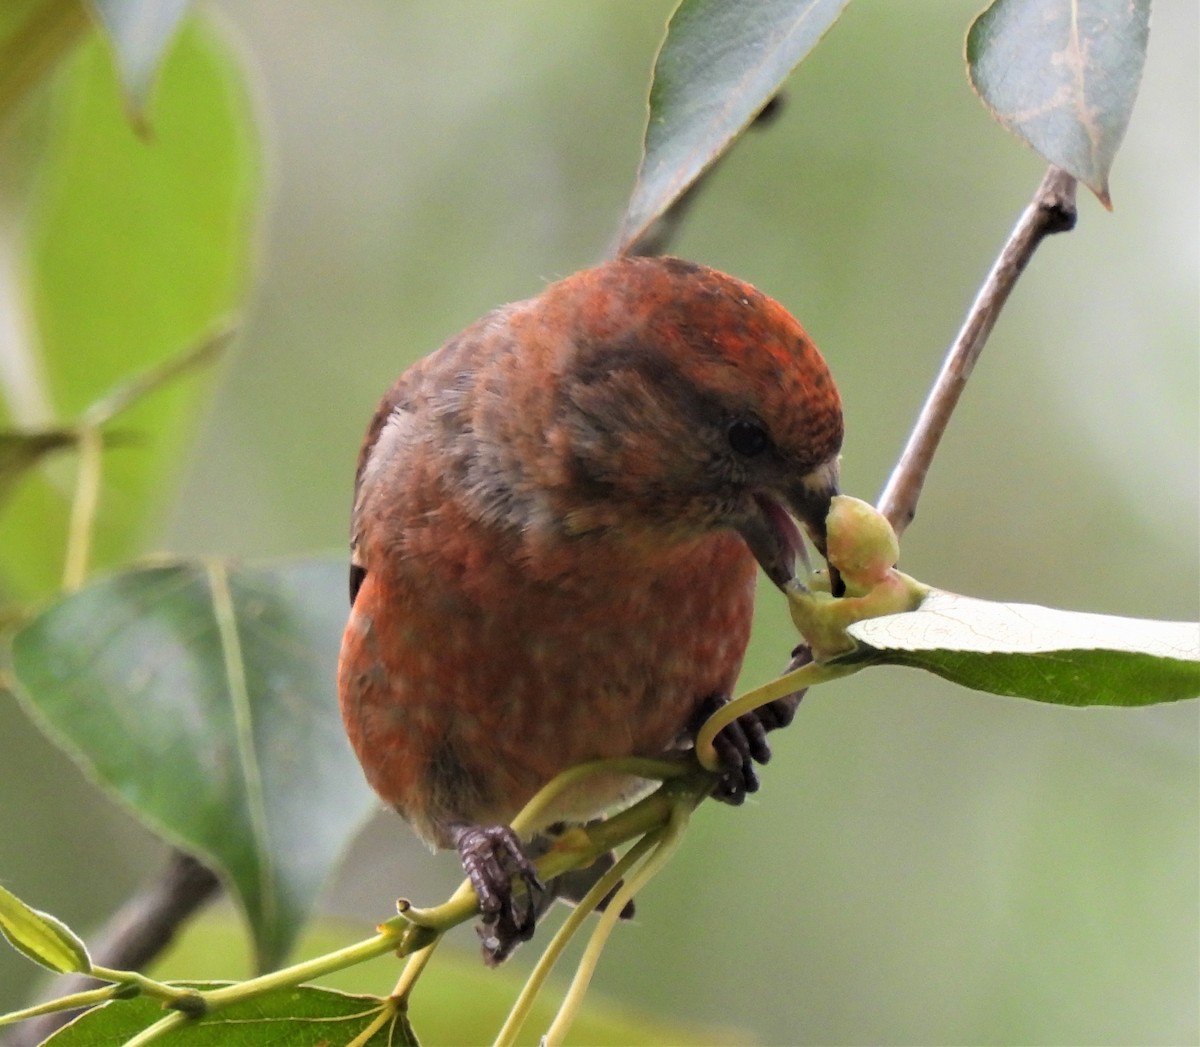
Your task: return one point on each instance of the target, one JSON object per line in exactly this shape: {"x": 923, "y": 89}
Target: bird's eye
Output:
{"x": 748, "y": 438}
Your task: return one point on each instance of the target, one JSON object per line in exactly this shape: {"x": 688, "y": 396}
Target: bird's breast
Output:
{"x": 480, "y": 675}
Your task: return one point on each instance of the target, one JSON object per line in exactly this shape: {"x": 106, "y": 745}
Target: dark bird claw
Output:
{"x": 492, "y": 857}
{"x": 743, "y": 743}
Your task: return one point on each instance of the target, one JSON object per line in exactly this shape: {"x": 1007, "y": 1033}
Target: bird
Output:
{"x": 557, "y": 525}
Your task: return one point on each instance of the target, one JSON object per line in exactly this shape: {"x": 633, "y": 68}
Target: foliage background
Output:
{"x": 924, "y": 864}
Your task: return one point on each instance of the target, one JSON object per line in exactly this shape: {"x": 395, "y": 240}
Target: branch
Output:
{"x": 137, "y": 932}
{"x": 1051, "y": 211}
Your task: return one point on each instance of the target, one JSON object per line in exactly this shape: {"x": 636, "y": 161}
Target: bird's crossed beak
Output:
{"x": 771, "y": 532}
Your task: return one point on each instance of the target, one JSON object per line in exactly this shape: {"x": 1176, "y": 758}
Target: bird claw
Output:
{"x": 738, "y": 745}
{"x": 492, "y": 857}
{"x": 743, "y": 742}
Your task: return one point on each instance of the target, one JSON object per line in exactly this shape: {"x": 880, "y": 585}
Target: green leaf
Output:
{"x": 140, "y": 31}
{"x": 42, "y": 937}
{"x": 137, "y": 250}
{"x": 721, "y": 62}
{"x": 34, "y": 36}
{"x": 1062, "y": 75}
{"x": 297, "y": 1017}
{"x": 1063, "y": 657}
{"x": 202, "y": 695}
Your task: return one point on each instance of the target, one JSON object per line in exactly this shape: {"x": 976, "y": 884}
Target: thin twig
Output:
{"x": 665, "y": 845}
{"x": 1051, "y": 211}
{"x": 138, "y": 932}
{"x": 84, "y": 507}
{"x": 554, "y": 949}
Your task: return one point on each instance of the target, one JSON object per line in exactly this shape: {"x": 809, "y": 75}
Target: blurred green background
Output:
{"x": 924, "y": 865}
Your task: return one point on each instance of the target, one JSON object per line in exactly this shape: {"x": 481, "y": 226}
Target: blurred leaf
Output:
{"x": 721, "y": 62}
{"x": 140, "y": 31}
{"x": 297, "y": 1017}
{"x": 1063, "y": 76}
{"x": 43, "y": 938}
{"x": 34, "y": 36}
{"x": 137, "y": 248}
{"x": 201, "y": 694}
{"x": 1064, "y": 657}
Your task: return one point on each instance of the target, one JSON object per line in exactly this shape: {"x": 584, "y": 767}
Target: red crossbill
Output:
{"x": 555, "y": 527}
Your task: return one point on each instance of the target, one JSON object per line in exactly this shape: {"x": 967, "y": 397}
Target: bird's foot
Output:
{"x": 492, "y": 857}
{"x": 743, "y": 743}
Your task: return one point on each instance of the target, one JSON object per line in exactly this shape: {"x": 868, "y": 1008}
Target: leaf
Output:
{"x": 43, "y": 938}
{"x": 721, "y": 62}
{"x": 1063, "y": 657}
{"x": 136, "y": 250}
{"x": 140, "y": 31}
{"x": 201, "y": 694}
{"x": 1062, "y": 75}
{"x": 297, "y": 1017}
{"x": 34, "y": 36}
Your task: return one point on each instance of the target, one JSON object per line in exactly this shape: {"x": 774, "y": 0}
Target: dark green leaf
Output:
{"x": 1063, "y": 657}
{"x": 721, "y": 62}
{"x": 203, "y": 696}
{"x": 140, "y": 31}
{"x": 298, "y": 1017}
{"x": 138, "y": 249}
{"x": 43, "y": 938}
{"x": 1063, "y": 76}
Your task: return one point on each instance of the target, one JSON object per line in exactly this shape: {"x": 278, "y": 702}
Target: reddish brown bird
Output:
{"x": 556, "y": 522}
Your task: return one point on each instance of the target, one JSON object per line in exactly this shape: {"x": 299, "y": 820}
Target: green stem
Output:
{"x": 88, "y": 998}
{"x": 415, "y": 932}
{"x": 132, "y": 390}
{"x": 386, "y": 1014}
{"x": 385, "y": 941}
{"x": 460, "y": 906}
{"x": 550, "y": 955}
{"x": 158, "y": 1030}
{"x": 789, "y": 683}
{"x": 83, "y": 507}
{"x": 665, "y": 847}
{"x": 189, "y": 1001}
{"x": 413, "y": 968}
{"x": 578, "y": 848}
{"x": 533, "y": 816}
{"x": 217, "y": 999}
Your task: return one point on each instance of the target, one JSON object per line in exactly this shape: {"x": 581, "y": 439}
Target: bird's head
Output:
{"x": 690, "y": 402}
